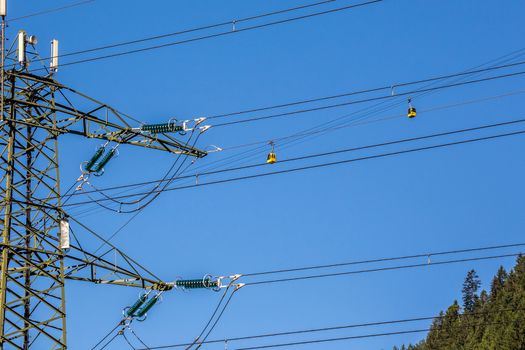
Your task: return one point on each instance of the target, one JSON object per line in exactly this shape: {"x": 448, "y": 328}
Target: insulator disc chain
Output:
{"x": 139, "y": 309}
{"x": 174, "y": 126}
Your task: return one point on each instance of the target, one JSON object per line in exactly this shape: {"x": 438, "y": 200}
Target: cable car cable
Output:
{"x": 471, "y": 70}
{"x": 499, "y": 59}
{"x": 371, "y": 99}
{"x": 332, "y": 125}
{"x": 418, "y": 138}
{"x": 321, "y": 165}
{"x": 326, "y": 127}
{"x": 360, "y": 92}
{"x": 346, "y": 125}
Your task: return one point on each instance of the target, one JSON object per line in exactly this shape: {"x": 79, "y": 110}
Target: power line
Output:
{"x": 137, "y": 211}
{"x": 473, "y": 69}
{"x": 167, "y": 178}
{"x": 189, "y": 346}
{"x": 389, "y": 268}
{"x": 129, "y": 343}
{"x": 388, "y": 259}
{"x": 329, "y": 126}
{"x": 292, "y": 19}
{"x": 321, "y": 165}
{"x": 196, "y": 29}
{"x": 218, "y": 318}
{"x": 282, "y": 138}
{"x": 51, "y": 10}
{"x": 136, "y": 336}
{"x": 359, "y": 122}
{"x": 326, "y": 340}
{"x": 346, "y": 150}
{"x": 107, "y": 335}
{"x": 109, "y": 342}
{"x": 90, "y": 212}
{"x": 333, "y": 328}
{"x": 365, "y": 91}
{"x": 371, "y": 99}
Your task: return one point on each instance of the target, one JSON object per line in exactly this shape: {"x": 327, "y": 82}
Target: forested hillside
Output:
{"x": 493, "y": 320}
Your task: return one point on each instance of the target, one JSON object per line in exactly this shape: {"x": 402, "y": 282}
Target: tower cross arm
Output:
{"x": 57, "y": 113}
{"x": 81, "y": 265}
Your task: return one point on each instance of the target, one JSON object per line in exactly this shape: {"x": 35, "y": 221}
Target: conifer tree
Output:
{"x": 470, "y": 290}
{"x": 492, "y": 321}
{"x": 497, "y": 282}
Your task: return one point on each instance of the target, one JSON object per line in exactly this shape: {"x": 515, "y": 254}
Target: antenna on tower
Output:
{"x": 23, "y": 40}
{"x": 3, "y": 8}
{"x": 53, "y": 66}
{"x": 21, "y": 47}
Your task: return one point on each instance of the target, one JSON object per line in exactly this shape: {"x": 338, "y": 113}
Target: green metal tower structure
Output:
{"x": 36, "y": 258}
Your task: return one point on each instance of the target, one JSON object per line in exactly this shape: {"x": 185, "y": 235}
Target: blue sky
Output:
{"x": 452, "y": 198}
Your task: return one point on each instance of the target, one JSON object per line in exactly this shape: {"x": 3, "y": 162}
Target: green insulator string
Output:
{"x": 107, "y": 157}
{"x": 195, "y": 284}
{"x": 94, "y": 159}
{"x": 162, "y": 128}
{"x": 148, "y": 305}
{"x": 133, "y": 308}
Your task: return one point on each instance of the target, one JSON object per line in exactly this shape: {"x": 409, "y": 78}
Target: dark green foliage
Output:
{"x": 492, "y": 320}
{"x": 470, "y": 290}
{"x": 498, "y": 282}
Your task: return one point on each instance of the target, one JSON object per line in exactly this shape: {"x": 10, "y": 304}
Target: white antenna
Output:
{"x": 64, "y": 234}
{"x": 3, "y": 8}
{"x": 54, "y": 56}
{"x": 22, "y": 48}
{"x": 32, "y": 40}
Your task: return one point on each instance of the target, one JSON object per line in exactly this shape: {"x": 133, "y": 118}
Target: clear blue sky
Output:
{"x": 451, "y": 198}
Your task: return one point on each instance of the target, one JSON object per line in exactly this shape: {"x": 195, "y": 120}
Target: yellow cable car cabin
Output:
{"x": 411, "y": 110}
{"x": 272, "y": 158}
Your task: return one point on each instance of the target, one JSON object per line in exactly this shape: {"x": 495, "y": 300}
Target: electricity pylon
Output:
{"x": 35, "y": 261}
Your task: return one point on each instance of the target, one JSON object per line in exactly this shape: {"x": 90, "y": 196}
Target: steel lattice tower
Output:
{"x": 32, "y": 268}
{"x": 37, "y": 110}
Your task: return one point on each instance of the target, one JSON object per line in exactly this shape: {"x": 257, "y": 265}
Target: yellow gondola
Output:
{"x": 272, "y": 158}
{"x": 411, "y": 110}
